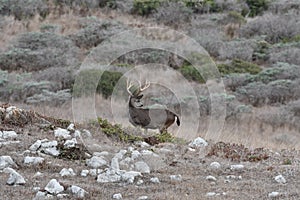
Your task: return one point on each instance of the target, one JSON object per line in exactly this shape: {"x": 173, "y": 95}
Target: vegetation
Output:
{"x": 145, "y": 7}
{"x": 239, "y": 66}
{"x": 257, "y": 6}
{"x": 191, "y": 73}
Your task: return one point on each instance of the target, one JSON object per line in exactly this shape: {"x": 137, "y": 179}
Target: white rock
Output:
{"x": 54, "y": 187}
{"x": 211, "y": 178}
{"x": 9, "y": 134}
{"x": 101, "y": 154}
{"x": 77, "y": 191}
{"x": 51, "y": 151}
{"x": 35, "y": 146}
{"x": 49, "y": 144}
{"x": 117, "y": 196}
{"x": 198, "y": 142}
{"x": 237, "y": 167}
{"x": 142, "y": 144}
{"x": 214, "y": 165}
{"x": 86, "y": 133}
{"x": 62, "y": 133}
{"x": 148, "y": 153}
{"x": 36, "y": 189}
{"x": 71, "y": 127}
{"x": 14, "y": 177}
{"x": 62, "y": 196}
{"x": 115, "y": 164}
{"x": 67, "y": 172}
{"x": 140, "y": 182}
{"x": 93, "y": 172}
{"x": 130, "y": 149}
{"x": 142, "y": 167}
{"x": 129, "y": 176}
{"x": 108, "y": 177}
{"x": 280, "y": 179}
{"x": 135, "y": 154}
{"x": 77, "y": 134}
{"x": 40, "y": 195}
{"x": 38, "y": 174}
{"x": 233, "y": 177}
{"x": 96, "y": 162}
{"x": 142, "y": 198}
{"x": 273, "y": 194}
{"x": 6, "y": 161}
{"x": 84, "y": 172}
{"x": 70, "y": 143}
{"x": 211, "y": 194}
{"x": 176, "y": 178}
{"x": 154, "y": 180}
{"x": 120, "y": 154}
{"x": 33, "y": 160}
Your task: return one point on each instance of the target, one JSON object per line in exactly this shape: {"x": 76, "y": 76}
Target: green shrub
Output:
{"x": 145, "y": 7}
{"x": 295, "y": 38}
{"x": 3, "y": 77}
{"x": 257, "y": 6}
{"x": 89, "y": 80}
{"x": 202, "y": 6}
{"x": 235, "y": 17}
{"x": 239, "y": 66}
{"x": 191, "y": 73}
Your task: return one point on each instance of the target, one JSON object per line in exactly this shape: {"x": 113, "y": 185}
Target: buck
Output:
{"x": 148, "y": 118}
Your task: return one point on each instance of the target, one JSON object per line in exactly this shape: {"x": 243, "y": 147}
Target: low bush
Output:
{"x": 239, "y": 66}
{"x": 191, "y": 73}
{"x": 257, "y": 7}
{"x": 145, "y": 7}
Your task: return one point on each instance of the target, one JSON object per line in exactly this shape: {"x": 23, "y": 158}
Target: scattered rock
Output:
{"x": 109, "y": 176}
{"x": 67, "y": 172}
{"x": 51, "y": 151}
{"x": 140, "y": 182}
{"x": 198, "y": 142}
{"x": 215, "y": 165}
{"x": 14, "y": 178}
{"x": 33, "y": 160}
{"x": 280, "y": 179}
{"x": 62, "y": 133}
{"x": 70, "y": 143}
{"x": 211, "y": 178}
{"x": 49, "y": 144}
{"x": 84, "y": 172}
{"x": 6, "y": 161}
{"x": 54, "y": 187}
{"x": 142, "y": 167}
{"x": 117, "y": 196}
{"x": 274, "y": 194}
{"x": 78, "y": 192}
{"x": 71, "y": 127}
{"x": 176, "y": 178}
{"x": 210, "y": 194}
{"x": 9, "y": 134}
{"x": 142, "y": 198}
{"x": 96, "y": 162}
{"x": 237, "y": 167}
{"x": 129, "y": 176}
{"x": 154, "y": 180}
{"x": 35, "y": 146}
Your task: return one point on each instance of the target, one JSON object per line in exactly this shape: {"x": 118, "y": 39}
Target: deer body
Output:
{"x": 149, "y": 118}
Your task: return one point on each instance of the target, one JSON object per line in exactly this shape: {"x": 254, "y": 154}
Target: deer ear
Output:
{"x": 140, "y": 96}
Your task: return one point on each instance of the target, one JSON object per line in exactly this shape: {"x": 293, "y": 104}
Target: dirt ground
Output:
{"x": 254, "y": 181}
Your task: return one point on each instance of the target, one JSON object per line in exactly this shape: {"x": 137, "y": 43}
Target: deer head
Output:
{"x": 135, "y": 91}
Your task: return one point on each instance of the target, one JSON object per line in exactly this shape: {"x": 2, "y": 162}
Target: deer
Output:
{"x": 148, "y": 118}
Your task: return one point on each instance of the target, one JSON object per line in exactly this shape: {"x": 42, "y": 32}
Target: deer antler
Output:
{"x": 145, "y": 86}
{"x": 129, "y": 85}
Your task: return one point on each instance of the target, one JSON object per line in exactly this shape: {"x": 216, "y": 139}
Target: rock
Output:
{"x": 142, "y": 198}
{"x": 40, "y": 195}
{"x": 115, "y": 164}
{"x": 129, "y": 176}
{"x": 51, "y": 151}
{"x": 35, "y": 146}
{"x": 273, "y": 194}
{"x": 78, "y": 192}
{"x": 120, "y": 154}
{"x": 62, "y": 196}
{"x": 211, "y": 178}
{"x": 9, "y": 135}
{"x": 96, "y": 162}
{"x": 54, "y": 187}
{"x": 86, "y": 133}
{"x": 148, "y": 153}
{"x": 49, "y": 144}
{"x": 140, "y": 182}
{"x": 198, "y": 142}
{"x": 135, "y": 154}
{"x": 215, "y": 165}
{"x": 93, "y": 172}
{"x": 101, "y": 154}
{"x": 84, "y": 173}
{"x": 280, "y": 179}
{"x": 33, "y": 160}
{"x": 70, "y": 143}
{"x": 237, "y": 167}
{"x": 154, "y": 180}
{"x": 233, "y": 177}
{"x": 142, "y": 167}
{"x": 71, "y": 127}
{"x": 14, "y": 178}
{"x": 62, "y": 133}
{"x": 67, "y": 172}
{"x": 109, "y": 176}
{"x": 38, "y": 174}
{"x": 211, "y": 194}
{"x": 117, "y": 196}
{"x": 77, "y": 134}
{"x": 142, "y": 144}
{"x": 176, "y": 178}
{"x": 6, "y": 161}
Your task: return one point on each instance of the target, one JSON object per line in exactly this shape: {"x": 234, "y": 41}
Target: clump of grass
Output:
{"x": 116, "y": 131}
{"x": 287, "y": 162}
